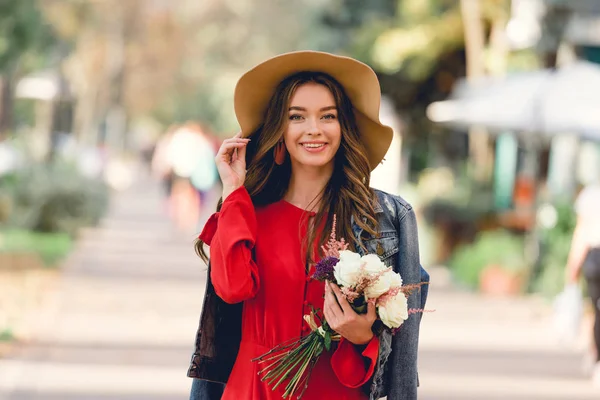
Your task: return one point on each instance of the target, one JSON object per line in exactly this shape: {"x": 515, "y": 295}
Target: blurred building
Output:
{"x": 530, "y": 166}
{"x": 571, "y": 28}
{"x": 54, "y": 104}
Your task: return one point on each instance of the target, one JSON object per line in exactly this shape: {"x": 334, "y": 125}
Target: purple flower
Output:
{"x": 324, "y": 269}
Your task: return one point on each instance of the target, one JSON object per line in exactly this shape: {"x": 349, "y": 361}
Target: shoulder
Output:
{"x": 392, "y": 206}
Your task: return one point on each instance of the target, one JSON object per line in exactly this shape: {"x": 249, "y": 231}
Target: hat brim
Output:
{"x": 256, "y": 87}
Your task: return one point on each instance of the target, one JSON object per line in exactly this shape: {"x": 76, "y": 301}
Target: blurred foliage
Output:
{"x": 455, "y": 208}
{"x": 455, "y": 199}
{"x": 523, "y": 60}
{"x": 50, "y": 247}
{"x": 23, "y": 113}
{"x": 493, "y": 248}
{"x": 23, "y": 31}
{"x": 51, "y": 198}
{"x": 27, "y": 43}
{"x": 417, "y": 49}
{"x": 180, "y": 60}
{"x": 6, "y": 335}
{"x": 468, "y": 214}
{"x": 177, "y": 60}
{"x": 358, "y": 23}
{"x": 410, "y": 37}
{"x": 555, "y": 246}
{"x": 422, "y": 32}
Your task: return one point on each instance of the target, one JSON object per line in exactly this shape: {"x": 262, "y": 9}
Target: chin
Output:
{"x": 314, "y": 162}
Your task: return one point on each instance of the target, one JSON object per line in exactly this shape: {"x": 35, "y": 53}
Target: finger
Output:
{"x": 328, "y": 316}
{"x": 330, "y": 299}
{"x": 345, "y": 306}
{"x": 239, "y": 135}
{"x": 331, "y": 317}
{"x": 371, "y": 311}
{"x": 225, "y": 156}
{"x": 236, "y": 140}
{"x": 332, "y": 305}
{"x": 234, "y": 155}
{"x": 241, "y": 153}
{"x": 228, "y": 147}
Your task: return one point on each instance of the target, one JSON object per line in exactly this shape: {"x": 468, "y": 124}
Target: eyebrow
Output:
{"x": 304, "y": 109}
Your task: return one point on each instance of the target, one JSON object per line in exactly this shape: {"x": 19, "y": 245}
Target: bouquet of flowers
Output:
{"x": 361, "y": 279}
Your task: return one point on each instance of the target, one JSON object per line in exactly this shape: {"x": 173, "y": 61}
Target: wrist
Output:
{"x": 227, "y": 190}
{"x": 363, "y": 340}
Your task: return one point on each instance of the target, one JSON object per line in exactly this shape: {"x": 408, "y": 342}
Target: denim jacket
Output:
{"x": 395, "y": 375}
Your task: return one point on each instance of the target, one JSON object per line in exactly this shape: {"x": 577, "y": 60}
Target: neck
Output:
{"x": 306, "y": 186}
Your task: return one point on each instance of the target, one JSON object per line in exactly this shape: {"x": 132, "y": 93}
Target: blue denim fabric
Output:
{"x": 206, "y": 390}
{"x": 395, "y": 374}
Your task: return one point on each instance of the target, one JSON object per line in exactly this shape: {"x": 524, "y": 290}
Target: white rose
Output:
{"x": 347, "y": 270}
{"x": 394, "y": 312}
{"x": 395, "y": 279}
{"x": 373, "y": 264}
{"x": 385, "y": 282}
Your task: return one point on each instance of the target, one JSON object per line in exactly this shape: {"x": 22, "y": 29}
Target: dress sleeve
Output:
{"x": 231, "y": 235}
{"x": 352, "y": 367}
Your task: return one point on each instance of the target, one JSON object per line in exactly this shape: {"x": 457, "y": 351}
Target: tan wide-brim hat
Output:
{"x": 256, "y": 87}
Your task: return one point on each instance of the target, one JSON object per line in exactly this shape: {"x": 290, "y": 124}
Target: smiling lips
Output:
{"x": 314, "y": 147}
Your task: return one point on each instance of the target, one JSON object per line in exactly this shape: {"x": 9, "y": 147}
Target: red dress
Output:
{"x": 257, "y": 258}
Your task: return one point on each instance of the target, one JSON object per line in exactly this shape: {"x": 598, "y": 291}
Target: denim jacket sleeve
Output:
{"x": 403, "y": 378}
{"x": 396, "y": 372}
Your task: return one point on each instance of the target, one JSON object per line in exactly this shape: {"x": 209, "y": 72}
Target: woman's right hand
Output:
{"x": 231, "y": 163}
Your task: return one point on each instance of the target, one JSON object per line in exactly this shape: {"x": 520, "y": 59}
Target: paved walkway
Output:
{"x": 478, "y": 348}
{"x": 125, "y": 316}
{"x": 122, "y": 326}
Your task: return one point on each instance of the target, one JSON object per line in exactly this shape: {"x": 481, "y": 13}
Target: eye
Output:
{"x": 329, "y": 116}
{"x": 295, "y": 117}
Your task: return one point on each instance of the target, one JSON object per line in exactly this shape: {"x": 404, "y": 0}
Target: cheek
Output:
{"x": 336, "y": 138}
{"x": 292, "y": 134}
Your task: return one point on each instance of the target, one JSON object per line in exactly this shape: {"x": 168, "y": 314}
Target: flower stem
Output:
{"x": 304, "y": 358}
{"x": 284, "y": 364}
{"x": 312, "y": 356}
{"x": 281, "y": 347}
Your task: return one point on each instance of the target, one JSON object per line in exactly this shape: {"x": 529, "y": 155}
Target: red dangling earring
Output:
{"x": 279, "y": 153}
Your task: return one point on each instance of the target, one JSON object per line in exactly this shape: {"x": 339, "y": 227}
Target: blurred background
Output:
{"x": 110, "y": 115}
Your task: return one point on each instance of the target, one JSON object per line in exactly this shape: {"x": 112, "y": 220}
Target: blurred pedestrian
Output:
{"x": 204, "y": 176}
{"x": 161, "y": 167}
{"x": 184, "y": 161}
{"x": 190, "y": 155}
{"x": 310, "y": 138}
{"x": 584, "y": 259}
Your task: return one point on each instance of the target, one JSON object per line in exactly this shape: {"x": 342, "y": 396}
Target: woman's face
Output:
{"x": 313, "y": 134}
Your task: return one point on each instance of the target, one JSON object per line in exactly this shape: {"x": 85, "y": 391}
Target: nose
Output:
{"x": 313, "y": 127}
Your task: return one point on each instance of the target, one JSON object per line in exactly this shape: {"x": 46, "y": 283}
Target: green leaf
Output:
{"x": 327, "y": 340}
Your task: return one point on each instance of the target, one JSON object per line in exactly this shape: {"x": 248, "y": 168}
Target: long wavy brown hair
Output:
{"x": 346, "y": 195}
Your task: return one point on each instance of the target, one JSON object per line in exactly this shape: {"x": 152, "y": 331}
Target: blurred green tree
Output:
{"x": 176, "y": 60}
{"x": 226, "y": 39}
{"x": 418, "y": 49}
{"x": 25, "y": 39}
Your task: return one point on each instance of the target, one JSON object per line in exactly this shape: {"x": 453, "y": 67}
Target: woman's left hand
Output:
{"x": 340, "y": 316}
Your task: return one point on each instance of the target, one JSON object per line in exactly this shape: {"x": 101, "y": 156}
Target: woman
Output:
{"x": 310, "y": 135}
{"x": 584, "y": 258}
